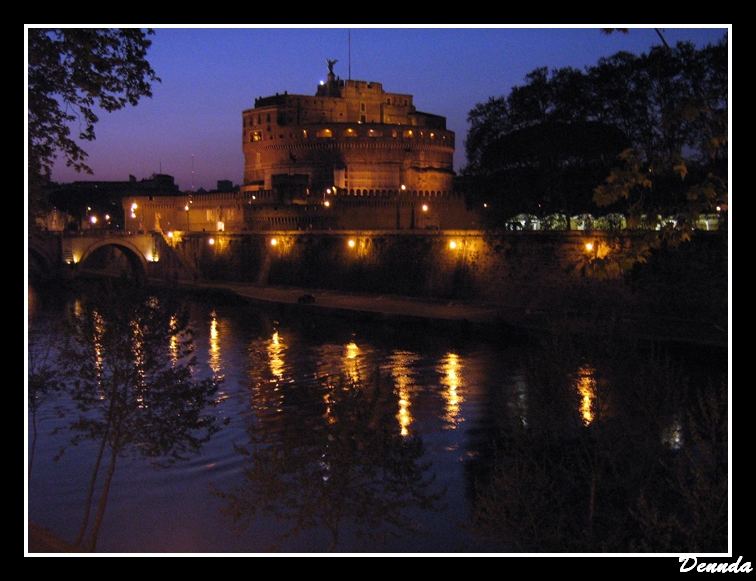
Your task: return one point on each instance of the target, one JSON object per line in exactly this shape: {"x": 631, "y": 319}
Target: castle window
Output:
{"x": 258, "y": 119}
{"x": 362, "y": 119}
{"x": 362, "y": 106}
{"x": 349, "y": 132}
{"x": 257, "y": 136}
{"x": 267, "y": 117}
{"x": 374, "y": 133}
{"x": 327, "y": 133}
{"x": 409, "y": 134}
{"x": 394, "y": 133}
{"x": 304, "y": 133}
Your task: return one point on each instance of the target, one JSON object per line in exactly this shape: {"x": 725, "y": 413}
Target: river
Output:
{"x": 355, "y": 436}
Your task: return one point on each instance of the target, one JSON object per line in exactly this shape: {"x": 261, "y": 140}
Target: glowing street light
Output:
{"x": 351, "y": 243}
{"x": 107, "y": 217}
{"x": 134, "y": 206}
{"x": 452, "y": 245}
{"x": 327, "y": 204}
{"x": 186, "y": 207}
{"x": 403, "y": 187}
{"x": 589, "y": 246}
{"x": 211, "y": 241}
{"x": 274, "y": 241}
{"x": 170, "y": 234}
{"x": 425, "y": 207}
{"x": 328, "y": 191}
{"x": 93, "y": 219}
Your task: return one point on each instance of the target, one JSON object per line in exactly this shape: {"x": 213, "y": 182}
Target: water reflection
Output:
{"x": 351, "y": 363}
{"x": 98, "y": 327}
{"x": 214, "y": 359}
{"x": 126, "y": 395}
{"x": 400, "y": 364}
{"x": 348, "y": 468}
{"x": 173, "y": 343}
{"x": 339, "y": 438}
{"x": 451, "y": 370}
{"x": 586, "y": 387}
{"x": 276, "y": 349}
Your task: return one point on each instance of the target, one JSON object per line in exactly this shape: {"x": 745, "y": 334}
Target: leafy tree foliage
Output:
{"x": 654, "y": 125}
{"x": 72, "y": 73}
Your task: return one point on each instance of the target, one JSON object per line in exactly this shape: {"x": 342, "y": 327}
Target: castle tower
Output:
{"x": 351, "y": 135}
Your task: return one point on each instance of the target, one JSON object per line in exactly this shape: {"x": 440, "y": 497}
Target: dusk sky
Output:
{"x": 209, "y": 76}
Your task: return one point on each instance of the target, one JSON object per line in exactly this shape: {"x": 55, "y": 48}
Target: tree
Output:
{"x": 73, "y": 71}
{"x": 129, "y": 370}
{"x": 664, "y": 121}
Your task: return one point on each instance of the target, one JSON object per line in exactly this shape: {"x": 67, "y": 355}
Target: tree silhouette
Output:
{"x": 73, "y": 71}
{"x": 128, "y": 368}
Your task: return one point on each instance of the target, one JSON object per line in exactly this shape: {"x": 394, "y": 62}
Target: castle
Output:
{"x": 352, "y": 156}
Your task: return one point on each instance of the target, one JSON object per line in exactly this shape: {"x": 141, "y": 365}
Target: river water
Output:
{"x": 348, "y": 435}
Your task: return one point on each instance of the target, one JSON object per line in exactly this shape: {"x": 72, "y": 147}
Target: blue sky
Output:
{"x": 210, "y": 75}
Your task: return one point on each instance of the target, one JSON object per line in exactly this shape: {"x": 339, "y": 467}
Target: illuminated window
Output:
{"x": 409, "y": 134}
{"x": 375, "y": 133}
{"x": 327, "y": 133}
{"x": 304, "y": 133}
{"x": 350, "y": 132}
{"x": 257, "y": 136}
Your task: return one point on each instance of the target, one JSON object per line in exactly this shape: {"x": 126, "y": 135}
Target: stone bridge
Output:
{"x": 148, "y": 255}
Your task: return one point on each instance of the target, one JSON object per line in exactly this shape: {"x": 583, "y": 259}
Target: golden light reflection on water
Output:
{"x": 215, "y": 348}
{"x": 351, "y": 361}
{"x": 173, "y": 342}
{"x": 137, "y": 350}
{"x": 98, "y": 328}
{"x": 276, "y": 361}
{"x": 78, "y": 309}
{"x": 451, "y": 371}
{"x": 400, "y": 364}
{"x": 586, "y": 386}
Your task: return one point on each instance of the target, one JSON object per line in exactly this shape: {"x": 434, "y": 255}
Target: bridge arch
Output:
{"x": 133, "y": 255}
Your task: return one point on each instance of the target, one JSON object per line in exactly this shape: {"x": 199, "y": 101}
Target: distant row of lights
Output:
{"x": 351, "y": 242}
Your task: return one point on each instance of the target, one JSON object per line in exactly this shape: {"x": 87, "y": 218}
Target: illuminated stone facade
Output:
{"x": 352, "y": 135}
{"x": 351, "y": 157}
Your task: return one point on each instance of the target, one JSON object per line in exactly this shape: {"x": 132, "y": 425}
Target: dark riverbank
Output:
{"x": 457, "y": 316}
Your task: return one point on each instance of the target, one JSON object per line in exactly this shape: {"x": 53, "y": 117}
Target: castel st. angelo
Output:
{"x": 352, "y": 135}
{"x": 353, "y": 156}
